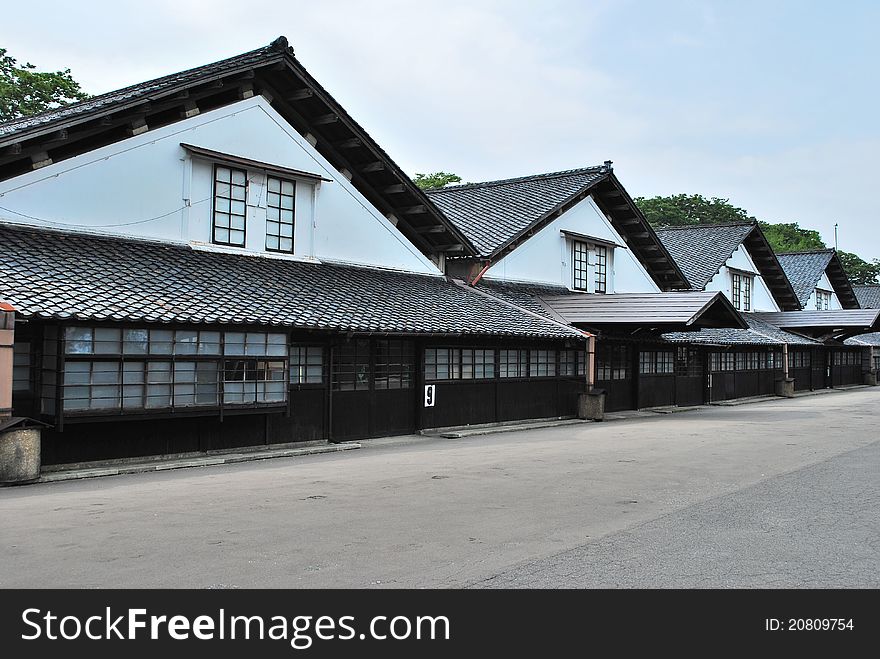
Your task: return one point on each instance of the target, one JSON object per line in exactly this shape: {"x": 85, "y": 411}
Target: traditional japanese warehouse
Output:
{"x": 225, "y": 258}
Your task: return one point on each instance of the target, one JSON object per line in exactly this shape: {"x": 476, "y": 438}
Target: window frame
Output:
{"x": 600, "y": 278}
{"x": 580, "y": 265}
{"x": 231, "y": 199}
{"x": 280, "y": 222}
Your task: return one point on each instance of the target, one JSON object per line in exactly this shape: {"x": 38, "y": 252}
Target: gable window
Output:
{"x": 230, "y": 192}
{"x": 601, "y": 269}
{"x": 580, "y": 263}
{"x": 279, "y": 215}
{"x": 741, "y": 291}
{"x": 823, "y": 300}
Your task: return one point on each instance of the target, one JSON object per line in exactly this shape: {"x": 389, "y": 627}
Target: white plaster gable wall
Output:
{"x": 825, "y": 284}
{"x": 546, "y": 257}
{"x": 140, "y": 187}
{"x": 762, "y": 299}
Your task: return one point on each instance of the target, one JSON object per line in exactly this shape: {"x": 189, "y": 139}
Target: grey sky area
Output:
{"x": 769, "y": 104}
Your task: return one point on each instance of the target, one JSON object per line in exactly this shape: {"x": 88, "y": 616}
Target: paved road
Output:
{"x": 768, "y": 494}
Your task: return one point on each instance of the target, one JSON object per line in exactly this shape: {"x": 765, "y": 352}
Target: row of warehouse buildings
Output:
{"x": 224, "y": 257}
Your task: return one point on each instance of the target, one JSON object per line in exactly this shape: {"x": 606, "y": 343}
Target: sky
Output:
{"x": 772, "y": 105}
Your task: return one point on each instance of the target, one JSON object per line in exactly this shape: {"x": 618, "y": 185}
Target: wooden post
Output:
{"x": 785, "y": 360}
{"x": 590, "y": 366}
{"x": 7, "y": 342}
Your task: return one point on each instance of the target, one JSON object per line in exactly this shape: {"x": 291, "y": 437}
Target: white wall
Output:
{"x": 762, "y": 300}
{"x": 546, "y": 257}
{"x": 147, "y": 186}
{"x": 825, "y": 284}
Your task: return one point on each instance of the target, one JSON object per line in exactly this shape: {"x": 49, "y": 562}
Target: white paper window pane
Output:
{"x": 237, "y": 208}
{"x": 286, "y": 245}
{"x": 209, "y": 343}
{"x": 272, "y": 242}
{"x": 186, "y": 342}
{"x": 184, "y": 372}
{"x": 222, "y": 205}
{"x": 134, "y": 341}
{"x": 77, "y": 372}
{"x": 238, "y": 193}
{"x": 160, "y": 342}
{"x": 222, "y": 189}
{"x": 286, "y": 202}
{"x": 234, "y": 343}
{"x": 287, "y": 187}
{"x": 76, "y": 398}
{"x": 274, "y": 185}
{"x": 236, "y": 238}
{"x": 159, "y": 372}
{"x": 222, "y": 174}
{"x": 256, "y": 343}
{"x": 78, "y": 340}
{"x": 107, "y": 341}
{"x": 273, "y": 200}
{"x": 221, "y": 235}
{"x": 238, "y": 177}
{"x": 105, "y": 397}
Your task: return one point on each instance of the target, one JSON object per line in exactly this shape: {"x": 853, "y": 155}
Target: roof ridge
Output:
{"x": 707, "y": 225}
{"x": 825, "y": 250}
{"x": 520, "y": 179}
{"x": 279, "y": 44}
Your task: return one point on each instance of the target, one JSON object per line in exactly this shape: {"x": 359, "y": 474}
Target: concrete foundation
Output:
{"x": 591, "y": 405}
{"x": 785, "y": 387}
{"x": 19, "y": 456}
{"x": 871, "y": 378}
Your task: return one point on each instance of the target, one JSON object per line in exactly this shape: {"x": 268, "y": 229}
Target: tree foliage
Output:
{"x": 25, "y": 91}
{"x": 435, "y": 180}
{"x": 790, "y": 237}
{"x": 858, "y": 270}
{"x": 685, "y": 210}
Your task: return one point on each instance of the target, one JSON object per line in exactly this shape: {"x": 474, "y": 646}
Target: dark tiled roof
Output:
{"x": 648, "y": 309}
{"x": 701, "y": 251}
{"x": 868, "y": 296}
{"x": 759, "y": 333}
{"x": 804, "y": 269}
{"x": 140, "y": 92}
{"x": 273, "y": 71}
{"x": 829, "y": 319}
{"x": 493, "y": 213}
{"x": 525, "y": 295}
{"x": 50, "y": 274}
{"x": 872, "y": 339}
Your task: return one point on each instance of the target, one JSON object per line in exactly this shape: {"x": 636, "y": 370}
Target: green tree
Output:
{"x": 789, "y": 237}
{"x": 435, "y": 180}
{"x": 684, "y": 209}
{"x": 858, "y": 270}
{"x": 25, "y": 91}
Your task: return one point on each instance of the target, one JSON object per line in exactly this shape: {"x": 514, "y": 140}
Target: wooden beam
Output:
{"x": 190, "y": 109}
{"x": 301, "y": 94}
{"x": 413, "y": 210}
{"x": 375, "y": 166}
{"x": 246, "y": 90}
{"x": 324, "y": 119}
{"x": 440, "y": 229}
{"x": 137, "y": 126}
{"x": 12, "y": 150}
{"x": 351, "y": 143}
{"x": 394, "y": 189}
{"x": 40, "y": 159}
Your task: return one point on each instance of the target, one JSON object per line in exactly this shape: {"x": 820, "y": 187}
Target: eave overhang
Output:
{"x": 277, "y": 75}
{"x": 837, "y": 325}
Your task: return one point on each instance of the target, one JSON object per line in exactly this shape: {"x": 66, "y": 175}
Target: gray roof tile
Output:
{"x": 701, "y": 251}
{"x": 804, "y": 269}
{"x": 759, "y": 333}
{"x": 868, "y": 295}
{"x": 491, "y": 214}
{"x": 51, "y": 274}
